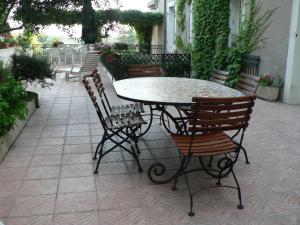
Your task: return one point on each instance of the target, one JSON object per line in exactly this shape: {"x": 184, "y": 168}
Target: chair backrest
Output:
{"x": 248, "y": 84}
{"x": 90, "y": 62}
{"x": 95, "y": 102}
{"x": 144, "y": 70}
{"x": 220, "y": 114}
{"x": 219, "y": 76}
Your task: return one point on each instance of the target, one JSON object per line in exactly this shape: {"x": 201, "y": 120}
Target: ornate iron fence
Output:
{"x": 250, "y": 64}
{"x": 134, "y": 48}
{"x": 175, "y": 65}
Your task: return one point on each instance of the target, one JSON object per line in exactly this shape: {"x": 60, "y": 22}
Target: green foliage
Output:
{"x": 24, "y": 40}
{"x": 175, "y": 69}
{"x": 12, "y": 101}
{"x": 211, "y": 31}
{"x": 141, "y": 21}
{"x": 30, "y": 69}
{"x": 270, "y": 80}
{"x": 248, "y": 39}
{"x": 180, "y": 17}
{"x": 185, "y": 48}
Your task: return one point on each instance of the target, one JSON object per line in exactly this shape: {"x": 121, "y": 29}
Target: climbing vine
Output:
{"x": 180, "y": 18}
{"x": 250, "y": 37}
{"x": 211, "y": 31}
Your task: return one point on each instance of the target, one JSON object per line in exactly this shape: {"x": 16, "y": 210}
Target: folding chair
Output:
{"x": 119, "y": 129}
{"x": 248, "y": 84}
{"x": 219, "y": 76}
{"x": 209, "y": 118}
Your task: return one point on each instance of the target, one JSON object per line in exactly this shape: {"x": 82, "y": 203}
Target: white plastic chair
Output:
{"x": 89, "y": 65}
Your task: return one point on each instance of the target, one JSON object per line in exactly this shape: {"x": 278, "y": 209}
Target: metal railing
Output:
{"x": 175, "y": 65}
{"x": 250, "y": 64}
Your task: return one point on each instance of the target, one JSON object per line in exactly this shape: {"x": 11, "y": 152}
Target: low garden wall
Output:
{"x": 8, "y": 139}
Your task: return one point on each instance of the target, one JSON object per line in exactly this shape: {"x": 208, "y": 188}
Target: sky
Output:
{"x": 127, "y": 4}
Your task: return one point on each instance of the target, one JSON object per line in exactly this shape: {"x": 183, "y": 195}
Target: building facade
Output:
{"x": 280, "y": 53}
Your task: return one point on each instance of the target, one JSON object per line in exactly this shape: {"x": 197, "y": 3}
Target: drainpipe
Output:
{"x": 165, "y": 26}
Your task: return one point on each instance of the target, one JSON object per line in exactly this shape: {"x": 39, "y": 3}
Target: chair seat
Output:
{"x": 125, "y": 109}
{"x": 121, "y": 121}
{"x": 205, "y": 144}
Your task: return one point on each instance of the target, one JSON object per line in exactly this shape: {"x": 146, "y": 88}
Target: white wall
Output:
{"x": 292, "y": 80}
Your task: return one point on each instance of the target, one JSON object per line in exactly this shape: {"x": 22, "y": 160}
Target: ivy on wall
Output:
{"x": 211, "y": 32}
{"x": 180, "y": 18}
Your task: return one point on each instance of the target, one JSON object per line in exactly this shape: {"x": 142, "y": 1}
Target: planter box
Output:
{"x": 267, "y": 93}
{"x": 7, "y": 140}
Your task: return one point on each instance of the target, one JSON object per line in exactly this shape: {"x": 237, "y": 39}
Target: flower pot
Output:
{"x": 267, "y": 93}
{"x": 4, "y": 45}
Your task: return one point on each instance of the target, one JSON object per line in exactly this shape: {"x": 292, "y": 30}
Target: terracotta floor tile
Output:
{"x": 76, "y": 184}
{"x": 77, "y": 158}
{"x": 38, "y": 187}
{"x": 49, "y": 150}
{"x": 33, "y": 205}
{"x": 32, "y": 220}
{"x": 45, "y": 160}
{"x": 77, "y": 170}
{"x": 89, "y": 218}
{"x": 76, "y": 202}
{"x": 11, "y": 174}
{"x": 42, "y": 172}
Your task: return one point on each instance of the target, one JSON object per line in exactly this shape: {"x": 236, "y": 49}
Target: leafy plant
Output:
{"x": 270, "y": 80}
{"x": 175, "y": 69}
{"x": 210, "y": 32}
{"x": 12, "y": 100}
{"x": 29, "y": 69}
{"x": 250, "y": 37}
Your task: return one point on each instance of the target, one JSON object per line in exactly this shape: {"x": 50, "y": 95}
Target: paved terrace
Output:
{"x": 47, "y": 177}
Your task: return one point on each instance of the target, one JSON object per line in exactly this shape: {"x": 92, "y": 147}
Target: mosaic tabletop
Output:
{"x": 170, "y": 90}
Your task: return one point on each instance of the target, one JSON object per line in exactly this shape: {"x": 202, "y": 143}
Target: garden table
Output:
{"x": 169, "y": 91}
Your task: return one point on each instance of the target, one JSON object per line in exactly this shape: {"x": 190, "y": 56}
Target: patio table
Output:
{"x": 169, "y": 91}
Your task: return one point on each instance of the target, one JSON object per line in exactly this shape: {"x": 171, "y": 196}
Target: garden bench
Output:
{"x": 144, "y": 70}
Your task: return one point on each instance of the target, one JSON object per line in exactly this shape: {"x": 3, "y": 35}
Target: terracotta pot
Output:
{"x": 267, "y": 93}
{"x": 4, "y": 45}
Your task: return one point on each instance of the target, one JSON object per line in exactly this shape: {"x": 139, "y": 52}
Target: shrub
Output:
{"x": 270, "y": 80}
{"x": 121, "y": 46}
{"x": 30, "y": 69}
{"x": 12, "y": 100}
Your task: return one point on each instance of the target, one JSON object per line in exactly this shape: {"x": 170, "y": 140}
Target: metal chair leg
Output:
{"x": 101, "y": 143}
{"x": 210, "y": 161}
{"x": 136, "y": 158}
{"x": 191, "y": 213}
{"x": 246, "y": 155}
{"x": 240, "y": 205}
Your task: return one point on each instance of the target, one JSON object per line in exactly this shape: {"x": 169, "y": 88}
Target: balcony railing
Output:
{"x": 250, "y": 64}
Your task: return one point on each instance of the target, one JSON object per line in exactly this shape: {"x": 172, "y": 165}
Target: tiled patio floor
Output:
{"x": 47, "y": 177}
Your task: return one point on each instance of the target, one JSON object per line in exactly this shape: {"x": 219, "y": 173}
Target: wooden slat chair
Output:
{"x": 248, "y": 84}
{"x": 89, "y": 65}
{"x": 145, "y": 70}
{"x": 119, "y": 109}
{"x": 219, "y": 76}
{"x": 119, "y": 129}
{"x": 208, "y": 120}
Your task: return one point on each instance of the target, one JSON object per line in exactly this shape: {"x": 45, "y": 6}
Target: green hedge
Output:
{"x": 12, "y": 100}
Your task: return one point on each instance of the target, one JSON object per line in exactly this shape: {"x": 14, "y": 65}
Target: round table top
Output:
{"x": 170, "y": 90}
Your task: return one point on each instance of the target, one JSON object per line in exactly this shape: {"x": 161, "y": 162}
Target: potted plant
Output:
{"x": 269, "y": 87}
{"x": 32, "y": 70}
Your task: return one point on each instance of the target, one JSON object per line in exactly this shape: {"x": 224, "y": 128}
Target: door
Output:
{"x": 171, "y": 27}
